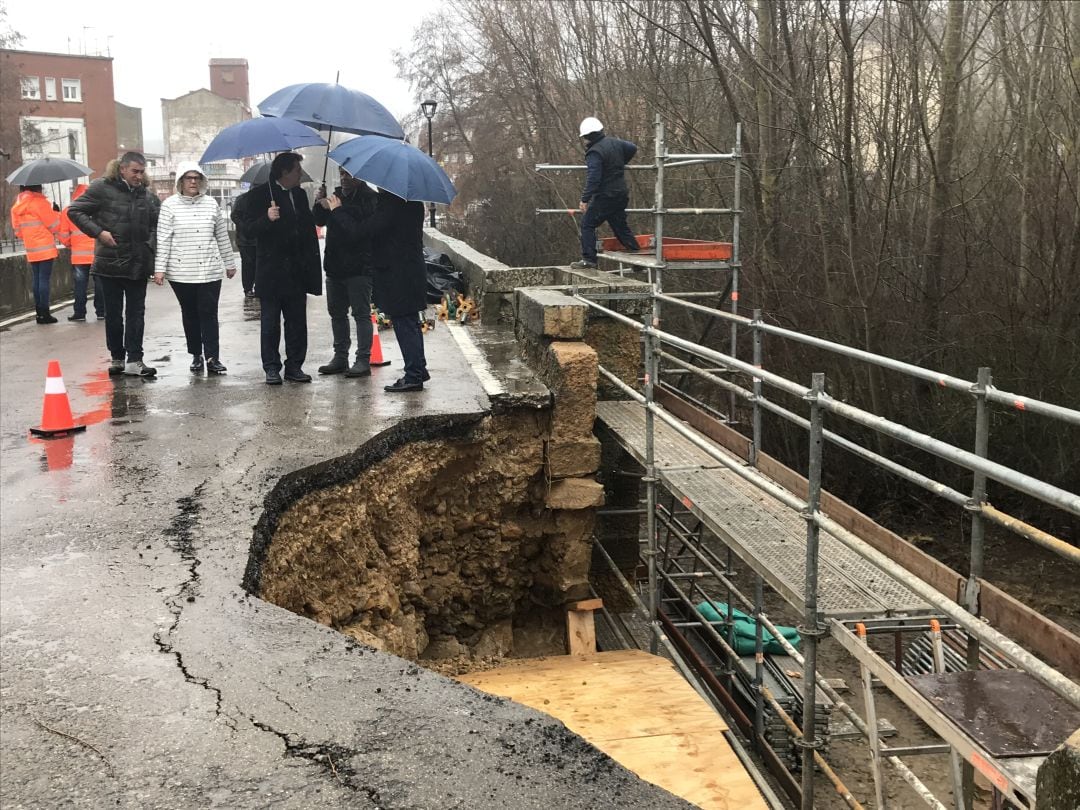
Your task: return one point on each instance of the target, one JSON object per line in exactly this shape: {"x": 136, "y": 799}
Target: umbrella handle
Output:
{"x": 326, "y": 157}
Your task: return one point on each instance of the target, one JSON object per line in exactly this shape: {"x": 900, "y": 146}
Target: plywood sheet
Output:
{"x": 637, "y": 709}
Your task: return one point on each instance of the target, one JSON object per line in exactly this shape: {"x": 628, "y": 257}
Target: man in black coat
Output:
{"x": 605, "y": 196}
{"x": 121, "y": 215}
{"x": 396, "y": 231}
{"x": 245, "y": 243}
{"x": 348, "y": 267}
{"x": 287, "y": 269}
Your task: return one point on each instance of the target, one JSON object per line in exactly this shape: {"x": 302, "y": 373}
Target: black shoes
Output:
{"x": 215, "y": 366}
{"x": 297, "y": 375}
{"x": 359, "y": 369}
{"x": 273, "y": 378}
{"x": 339, "y": 364}
{"x": 76, "y": 317}
{"x": 584, "y": 264}
{"x": 46, "y": 319}
{"x": 196, "y": 364}
{"x": 404, "y": 385}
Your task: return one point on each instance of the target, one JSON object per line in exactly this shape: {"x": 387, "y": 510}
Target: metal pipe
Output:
{"x": 959, "y": 797}
{"x": 759, "y": 657}
{"x": 998, "y": 397}
{"x": 650, "y": 494}
{"x": 1008, "y": 648}
{"x": 755, "y": 421}
{"x": 656, "y": 275}
{"x": 978, "y": 497}
{"x": 811, "y": 628}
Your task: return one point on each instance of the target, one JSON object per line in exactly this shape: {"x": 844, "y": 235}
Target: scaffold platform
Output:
{"x": 767, "y": 536}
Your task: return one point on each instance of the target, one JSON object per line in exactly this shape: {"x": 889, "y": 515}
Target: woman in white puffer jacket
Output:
{"x": 194, "y": 253}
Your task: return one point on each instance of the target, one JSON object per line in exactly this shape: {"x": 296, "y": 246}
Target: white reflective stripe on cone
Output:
{"x": 55, "y": 385}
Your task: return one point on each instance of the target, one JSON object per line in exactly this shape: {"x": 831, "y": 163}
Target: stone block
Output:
{"x": 569, "y": 370}
{"x": 547, "y": 313}
{"x": 1058, "y": 780}
{"x": 571, "y": 458}
{"x": 574, "y": 493}
{"x": 509, "y": 279}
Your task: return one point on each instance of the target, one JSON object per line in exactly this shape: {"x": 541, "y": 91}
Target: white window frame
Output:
{"x": 31, "y": 88}
{"x": 75, "y": 84}
{"x": 50, "y": 88}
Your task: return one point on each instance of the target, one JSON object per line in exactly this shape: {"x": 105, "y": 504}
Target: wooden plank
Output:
{"x": 636, "y": 708}
{"x": 580, "y": 632}
{"x": 586, "y": 604}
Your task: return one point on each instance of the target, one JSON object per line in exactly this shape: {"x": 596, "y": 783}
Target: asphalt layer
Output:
{"x": 135, "y": 670}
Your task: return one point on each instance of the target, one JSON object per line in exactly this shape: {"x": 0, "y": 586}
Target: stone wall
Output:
{"x": 16, "y": 293}
{"x": 1058, "y": 782}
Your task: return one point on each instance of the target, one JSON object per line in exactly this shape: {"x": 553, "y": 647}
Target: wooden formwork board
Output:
{"x": 639, "y": 711}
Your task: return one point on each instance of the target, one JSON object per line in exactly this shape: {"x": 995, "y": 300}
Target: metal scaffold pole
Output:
{"x": 650, "y": 490}
{"x": 735, "y": 266}
{"x": 811, "y": 628}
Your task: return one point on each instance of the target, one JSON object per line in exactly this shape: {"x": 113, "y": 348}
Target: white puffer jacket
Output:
{"x": 192, "y": 237}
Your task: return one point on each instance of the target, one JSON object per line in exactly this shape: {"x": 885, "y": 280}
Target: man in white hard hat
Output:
{"x": 605, "y": 196}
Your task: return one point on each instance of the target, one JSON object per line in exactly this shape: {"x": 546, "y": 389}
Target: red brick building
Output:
{"x": 67, "y": 99}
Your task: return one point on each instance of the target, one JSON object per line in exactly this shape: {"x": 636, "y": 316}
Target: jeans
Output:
{"x": 198, "y": 309}
{"x": 247, "y": 267}
{"x": 124, "y": 329}
{"x": 41, "y": 275}
{"x": 605, "y": 209}
{"x": 81, "y": 274}
{"x": 410, "y": 340}
{"x": 343, "y": 294}
{"x": 293, "y": 309}
{"x": 99, "y": 298}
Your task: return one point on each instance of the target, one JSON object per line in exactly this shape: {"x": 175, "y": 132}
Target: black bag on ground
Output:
{"x": 442, "y": 278}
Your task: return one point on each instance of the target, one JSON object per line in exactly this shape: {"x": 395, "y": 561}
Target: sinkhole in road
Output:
{"x": 430, "y": 542}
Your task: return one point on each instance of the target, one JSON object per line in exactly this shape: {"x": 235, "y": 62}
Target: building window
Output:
{"x": 50, "y": 88}
{"x": 52, "y": 142}
{"x": 31, "y": 87}
{"x": 72, "y": 89}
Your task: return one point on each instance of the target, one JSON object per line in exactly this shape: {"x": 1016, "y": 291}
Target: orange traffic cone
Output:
{"x": 376, "y": 345}
{"x": 56, "y": 418}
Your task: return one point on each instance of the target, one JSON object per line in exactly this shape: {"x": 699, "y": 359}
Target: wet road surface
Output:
{"x": 136, "y": 672}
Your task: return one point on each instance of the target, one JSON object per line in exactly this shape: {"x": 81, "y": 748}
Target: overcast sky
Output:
{"x": 162, "y": 50}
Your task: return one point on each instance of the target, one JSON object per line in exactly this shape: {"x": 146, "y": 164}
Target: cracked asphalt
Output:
{"x": 135, "y": 671}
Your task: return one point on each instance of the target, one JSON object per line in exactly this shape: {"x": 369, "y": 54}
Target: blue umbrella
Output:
{"x": 332, "y": 107}
{"x": 257, "y": 136}
{"x": 396, "y": 166}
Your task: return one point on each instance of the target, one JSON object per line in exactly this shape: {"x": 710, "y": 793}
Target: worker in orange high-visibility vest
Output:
{"x": 81, "y": 248}
{"x": 37, "y": 225}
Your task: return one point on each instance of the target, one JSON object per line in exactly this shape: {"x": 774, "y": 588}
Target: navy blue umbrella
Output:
{"x": 396, "y": 166}
{"x": 259, "y": 172}
{"x": 258, "y": 136}
{"x": 332, "y": 107}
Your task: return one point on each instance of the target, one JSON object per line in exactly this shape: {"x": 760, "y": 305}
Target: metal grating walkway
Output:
{"x": 768, "y": 536}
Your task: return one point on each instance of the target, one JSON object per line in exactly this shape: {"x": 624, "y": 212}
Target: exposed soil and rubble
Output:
{"x": 442, "y": 553}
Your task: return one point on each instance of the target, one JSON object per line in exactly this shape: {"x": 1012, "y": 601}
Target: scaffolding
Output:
{"x": 855, "y": 590}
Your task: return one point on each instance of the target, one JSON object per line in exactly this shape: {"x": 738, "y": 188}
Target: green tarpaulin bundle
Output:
{"x": 745, "y": 642}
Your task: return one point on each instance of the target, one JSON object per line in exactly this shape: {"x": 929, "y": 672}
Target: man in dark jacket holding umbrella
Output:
{"x": 287, "y": 268}
{"x": 121, "y": 215}
{"x": 348, "y": 267}
{"x": 396, "y": 231}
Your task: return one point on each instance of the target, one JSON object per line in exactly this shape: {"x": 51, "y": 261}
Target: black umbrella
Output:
{"x": 47, "y": 170}
{"x": 259, "y": 172}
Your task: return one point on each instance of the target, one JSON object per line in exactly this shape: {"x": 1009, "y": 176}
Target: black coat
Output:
{"x": 396, "y": 231}
{"x": 347, "y": 254}
{"x": 130, "y": 215}
{"x": 287, "y": 251}
{"x": 243, "y": 238}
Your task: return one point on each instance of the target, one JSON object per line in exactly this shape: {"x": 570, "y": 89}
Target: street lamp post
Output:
{"x": 428, "y": 109}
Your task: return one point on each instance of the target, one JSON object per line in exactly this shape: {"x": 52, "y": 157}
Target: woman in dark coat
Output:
{"x": 396, "y": 232}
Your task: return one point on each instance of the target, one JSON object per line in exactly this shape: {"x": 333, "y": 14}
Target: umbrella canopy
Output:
{"x": 259, "y": 172}
{"x": 396, "y": 166}
{"x": 399, "y": 167}
{"x": 47, "y": 170}
{"x": 257, "y": 136}
{"x": 332, "y": 106}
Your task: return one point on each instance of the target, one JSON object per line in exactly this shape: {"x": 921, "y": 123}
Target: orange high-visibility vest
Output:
{"x": 36, "y": 224}
{"x": 78, "y": 243}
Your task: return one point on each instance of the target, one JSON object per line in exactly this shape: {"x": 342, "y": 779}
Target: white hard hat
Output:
{"x": 589, "y": 126}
